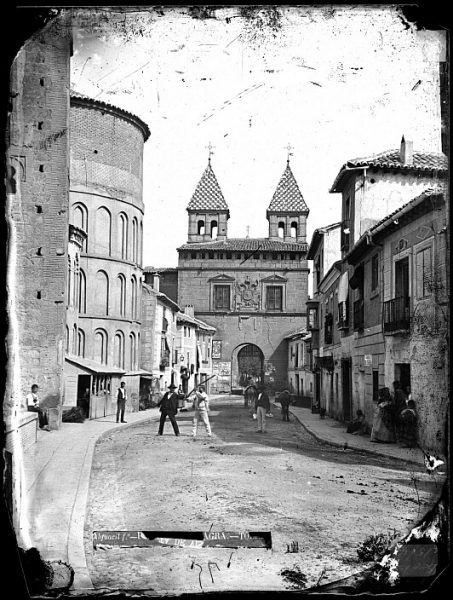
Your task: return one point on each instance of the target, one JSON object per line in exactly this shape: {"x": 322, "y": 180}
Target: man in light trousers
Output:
{"x": 201, "y": 406}
{"x": 262, "y": 406}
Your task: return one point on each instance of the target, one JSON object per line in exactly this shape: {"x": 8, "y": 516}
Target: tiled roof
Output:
{"x": 208, "y": 195}
{"x": 248, "y": 244}
{"x": 82, "y": 100}
{"x": 391, "y": 159}
{"x": 287, "y": 196}
{"x": 392, "y": 218}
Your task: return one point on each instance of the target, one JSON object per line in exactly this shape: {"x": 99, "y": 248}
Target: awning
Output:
{"x": 343, "y": 288}
{"x": 94, "y": 366}
{"x": 140, "y": 372}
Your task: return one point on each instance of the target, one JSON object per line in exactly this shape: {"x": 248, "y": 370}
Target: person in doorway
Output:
{"x": 32, "y": 399}
{"x": 383, "y": 429}
{"x": 284, "y": 398}
{"x": 201, "y": 406}
{"x": 121, "y": 398}
{"x": 408, "y": 426}
{"x": 168, "y": 408}
{"x": 262, "y": 407}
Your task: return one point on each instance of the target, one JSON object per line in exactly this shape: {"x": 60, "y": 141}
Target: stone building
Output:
{"x": 368, "y": 357}
{"x": 159, "y": 337}
{"x": 106, "y": 174}
{"x": 37, "y": 160}
{"x": 402, "y": 328}
{"x": 300, "y": 368}
{"x": 252, "y": 291}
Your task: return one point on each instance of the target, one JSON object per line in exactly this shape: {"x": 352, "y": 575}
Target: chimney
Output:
{"x": 156, "y": 281}
{"x": 189, "y": 310}
{"x": 406, "y": 152}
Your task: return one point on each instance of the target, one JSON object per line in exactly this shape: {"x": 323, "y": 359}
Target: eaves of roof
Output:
{"x": 80, "y": 100}
{"x": 425, "y": 162}
{"x": 391, "y": 221}
{"x": 247, "y": 244}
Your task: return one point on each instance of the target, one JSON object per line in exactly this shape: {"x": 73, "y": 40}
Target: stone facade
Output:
{"x": 252, "y": 291}
{"x": 106, "y": 203}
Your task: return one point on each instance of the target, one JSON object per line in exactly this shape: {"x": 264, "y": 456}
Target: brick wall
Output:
{"x": 38, "y": 153}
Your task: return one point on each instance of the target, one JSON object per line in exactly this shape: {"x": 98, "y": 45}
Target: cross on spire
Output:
{"x": 210, "y": 147}
{"x": 289, "y": 148}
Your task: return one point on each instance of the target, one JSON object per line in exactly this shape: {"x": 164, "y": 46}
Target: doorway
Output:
{"x": 83, "y": 394}
{"x": 403, "y": 374}
{"x": 346, "y": 378}
{"x": 250, "y": 362}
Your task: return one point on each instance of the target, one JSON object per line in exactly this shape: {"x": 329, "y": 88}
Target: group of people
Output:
{"x": 168, "y": 406}
{"x": 395, "y": 418}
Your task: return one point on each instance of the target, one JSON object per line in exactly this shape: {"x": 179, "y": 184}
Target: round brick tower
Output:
{"x": 106, "y": 179}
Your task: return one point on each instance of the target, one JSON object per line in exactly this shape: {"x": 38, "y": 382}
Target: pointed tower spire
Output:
{"x": 287, "y": 213}
{"x": 208, "y": 211}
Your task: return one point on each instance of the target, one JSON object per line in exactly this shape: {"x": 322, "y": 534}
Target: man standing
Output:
{"x": 121, "y": 402}
{"x": 262, "y": 406}
{"x": 284, "y": 398}
{"x": 33, "y": 406}
{"x": 201, "y": 406}
{"x": 168, "y": 408}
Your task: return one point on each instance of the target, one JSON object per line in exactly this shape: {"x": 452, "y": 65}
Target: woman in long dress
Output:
{"x": 383, "y": 429}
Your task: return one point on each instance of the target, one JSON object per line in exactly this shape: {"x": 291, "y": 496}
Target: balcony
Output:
{"x": 396, "y": 314}
{"x": 358, "y": 315}
{"x": 328, "y": 328}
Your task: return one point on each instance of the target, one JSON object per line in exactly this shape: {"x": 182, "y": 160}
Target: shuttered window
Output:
{"x": 274, "y": 297}
{"x": 221, "y": 297}
{"x": 424, "y": 272}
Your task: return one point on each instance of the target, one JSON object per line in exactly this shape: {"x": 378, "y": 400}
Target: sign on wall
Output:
{"x": 223, "y": 369}
{"x": 368, "y": 360}
{"x": 216, "y": 349}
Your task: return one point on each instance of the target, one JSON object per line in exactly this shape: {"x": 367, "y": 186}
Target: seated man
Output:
{"x": 33, "y": 406}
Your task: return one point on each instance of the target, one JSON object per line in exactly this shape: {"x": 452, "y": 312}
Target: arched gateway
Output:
{"x": 247, "y": 361}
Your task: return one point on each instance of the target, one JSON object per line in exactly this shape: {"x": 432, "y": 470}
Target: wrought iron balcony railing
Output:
{"x": 397, "y": 314}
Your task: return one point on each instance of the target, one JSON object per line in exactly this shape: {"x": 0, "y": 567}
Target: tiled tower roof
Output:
{"x": 207, "y": 195}
{"x": 287, "y": 196}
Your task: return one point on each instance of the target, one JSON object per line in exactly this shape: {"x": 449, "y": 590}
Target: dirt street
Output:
{"x": 284, "y": 481}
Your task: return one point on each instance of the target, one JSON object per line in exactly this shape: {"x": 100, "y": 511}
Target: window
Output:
{"x": 200, "y": 227}
{"x": 69, "y": 284}
{"x": 81, "y": 343}
{"x": 101, "y": 293}
{"x": 102, "y": 235}
{"x": 132, "y": 350}
{"x": 122, "y": 235}
{"x": 423, "y": 272}
{"x": 214, "y": 229}
{"x": 281, "y": 230}
{"x": 134, "y": 240}
{"x": 293, "y": 229}
{"x": 80, "y": 220}
{"x": 221, "y": 297}
{"x": 274, "y": 297}
{"x": 374, "y": 272}
{"x": 134, "y": 298}
{"x": 120, "y": 295}
{"x": 81, "y": 303}
{"x": 100, "y": 346}
{"x": 118, "y": 355}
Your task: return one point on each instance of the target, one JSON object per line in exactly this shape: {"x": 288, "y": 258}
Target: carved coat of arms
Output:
{"x": 247, "y": 295}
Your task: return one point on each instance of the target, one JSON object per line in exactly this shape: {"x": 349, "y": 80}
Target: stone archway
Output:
{"x": 247, "y": 360}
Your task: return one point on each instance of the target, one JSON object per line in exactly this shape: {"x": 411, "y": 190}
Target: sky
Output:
{"x": 333, "y": 82}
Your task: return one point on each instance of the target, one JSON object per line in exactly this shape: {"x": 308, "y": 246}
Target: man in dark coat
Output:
{"x": 284, "y": 398}
{"x": 168, "y": 408}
